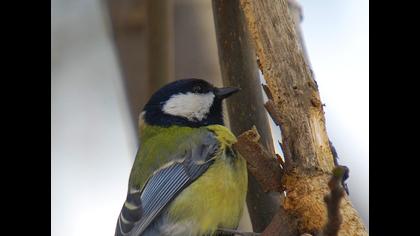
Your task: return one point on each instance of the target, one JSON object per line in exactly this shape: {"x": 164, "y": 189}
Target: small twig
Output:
{"x": 237, "y": 232}
{"x": 333, "y": 202}
{"x": 346, "y": 171}
{"x": 261, "y": 163}
{"x": 272, "y": 111}
{"x": 334, "y": 153}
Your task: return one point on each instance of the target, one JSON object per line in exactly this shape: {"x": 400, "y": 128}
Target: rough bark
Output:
{"x": 261, "y": 163}
{"x": 268, "y": 172}
{"x": 237, "y": 62}
{"x": 308, "y": 158}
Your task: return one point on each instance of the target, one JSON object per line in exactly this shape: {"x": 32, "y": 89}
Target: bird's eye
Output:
{"x": 196, "y": 89}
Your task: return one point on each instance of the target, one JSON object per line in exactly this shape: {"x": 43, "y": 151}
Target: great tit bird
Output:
{"x": 186, "y": 178}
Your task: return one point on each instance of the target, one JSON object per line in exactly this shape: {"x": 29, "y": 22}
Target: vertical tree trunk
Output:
{"x": 238, "y": 66}
{"x": 309, "y": 160}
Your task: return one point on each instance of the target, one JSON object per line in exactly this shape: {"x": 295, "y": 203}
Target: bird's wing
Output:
{"x": 142, "y": 207}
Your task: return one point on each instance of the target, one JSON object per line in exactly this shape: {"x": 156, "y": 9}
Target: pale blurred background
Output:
{"x": 98, "y": 69}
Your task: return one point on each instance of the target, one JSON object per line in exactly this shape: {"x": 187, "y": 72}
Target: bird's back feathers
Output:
{"x": 178, "y": 168}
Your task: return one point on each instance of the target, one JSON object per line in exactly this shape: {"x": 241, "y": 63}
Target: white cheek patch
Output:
{"x": 189, "y": 105}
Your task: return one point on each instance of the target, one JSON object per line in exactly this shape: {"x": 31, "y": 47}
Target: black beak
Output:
{"x": 223, "y": 93}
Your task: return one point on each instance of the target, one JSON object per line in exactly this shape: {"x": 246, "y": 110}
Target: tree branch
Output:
{"x": 238, "y": 68}
{"x": 267, "y": 171}
{"x": 333, "y": 200}
{"x": 262, "y": 164}
{"x": 295, "y": 106}
{"x": 282, "y": 224}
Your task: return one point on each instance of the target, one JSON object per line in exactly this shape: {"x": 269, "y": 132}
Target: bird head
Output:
{"x": 187, "y": 102}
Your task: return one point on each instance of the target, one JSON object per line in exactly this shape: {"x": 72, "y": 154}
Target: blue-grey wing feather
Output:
{"x": 142, "y": 207}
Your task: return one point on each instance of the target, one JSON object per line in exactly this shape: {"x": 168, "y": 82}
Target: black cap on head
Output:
{"x": 187, "y": 102}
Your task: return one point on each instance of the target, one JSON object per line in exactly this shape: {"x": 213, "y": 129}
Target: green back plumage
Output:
{"x": 158, "y": 146}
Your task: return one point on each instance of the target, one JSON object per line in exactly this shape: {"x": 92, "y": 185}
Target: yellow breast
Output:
{"x": 215, "y": 199}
